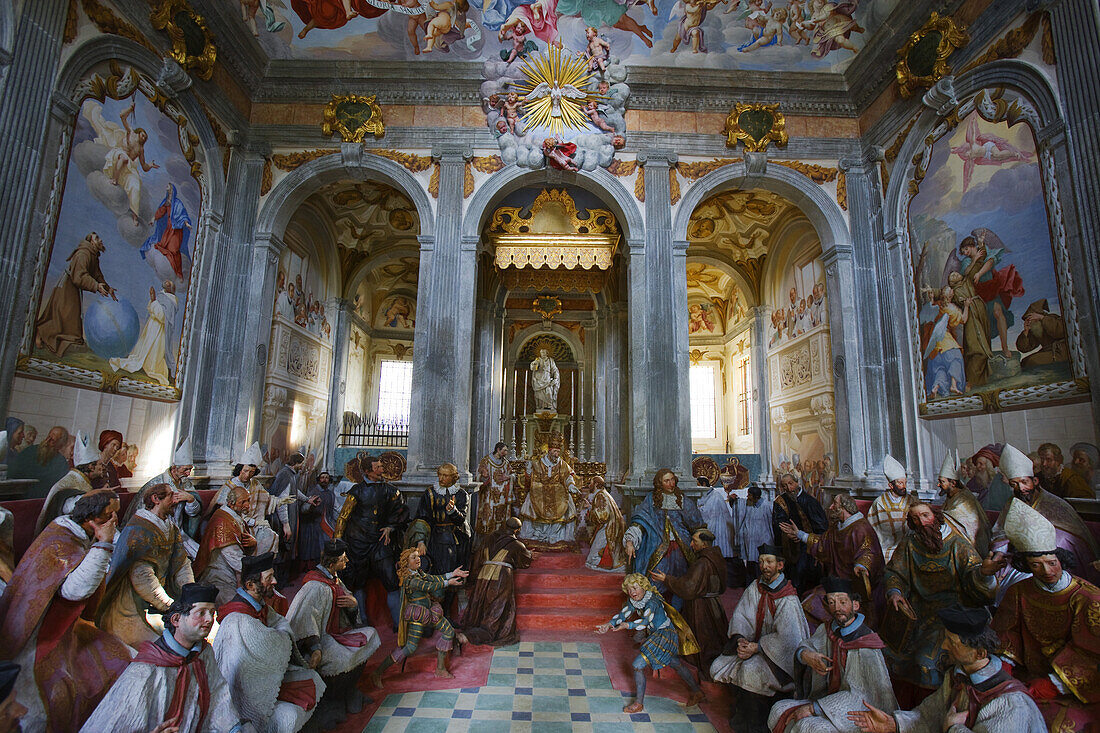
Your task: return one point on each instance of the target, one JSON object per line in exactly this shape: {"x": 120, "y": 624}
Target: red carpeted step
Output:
{"x": 536, "y": 579}
{"x": 561, "y": 560}
{"x": 560, "y": 619}
{"x": 570, "y": 599}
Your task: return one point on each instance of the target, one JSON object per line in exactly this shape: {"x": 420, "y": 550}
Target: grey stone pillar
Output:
{"x": 881, "y": 421}
{"x": 844, "y": 329}
{"x": 488, "y": 379}
{"x": 439, "y": 428}
{"x": 228, "y": 386}
{"x": 660, "y": 406}
{"x": 24, "y": 121}
{"x": 1075, "y": 25}
{"x": 761, "y": 389}
{"x": 341, "y": 335}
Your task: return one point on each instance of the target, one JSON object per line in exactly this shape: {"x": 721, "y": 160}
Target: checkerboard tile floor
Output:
{"x": 543, "y": 687}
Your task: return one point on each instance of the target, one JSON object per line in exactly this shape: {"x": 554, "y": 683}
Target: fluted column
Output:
{"x": 660, "y": 407}
{"x": 24, "y": 122}
{"x": 338, "y": 384}
{"x": 762, "y": 427}
{"x": 1075, "y": 25}
{"x": 439, "y": 430}
{"x": 488, "y": 374}
{"x": 227, "y": 392}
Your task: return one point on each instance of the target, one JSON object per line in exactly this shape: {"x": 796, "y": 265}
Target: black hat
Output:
{"x": 193, "y": 593}
{"x": 334, "y": 548}
{"x": 766, "y": 549}
{"x": 964, "y": 621}
{"x": 833, "y": 584}
{"x": 257, "y": 563}
{"x": 9, "y": 671}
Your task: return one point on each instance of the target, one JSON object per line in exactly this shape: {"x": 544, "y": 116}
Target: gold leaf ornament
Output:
{"x": 353, "y": 117}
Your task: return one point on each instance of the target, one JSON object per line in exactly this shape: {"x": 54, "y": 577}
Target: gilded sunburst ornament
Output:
{"x": 555, "y": 91}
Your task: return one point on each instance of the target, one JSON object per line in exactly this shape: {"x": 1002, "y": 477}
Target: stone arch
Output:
{"x": 106, "y": 48}
{"x": 531, "y": 333}
{"x": 364, "y": 268}
{"x": 820, "y": 208}
{"x": 736, "y": 274}
{"x": 598, "y": 182}
{"x": 289, "y": 193}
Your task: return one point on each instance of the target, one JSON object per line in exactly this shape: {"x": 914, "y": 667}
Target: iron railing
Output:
{"x": 370, "y": 431}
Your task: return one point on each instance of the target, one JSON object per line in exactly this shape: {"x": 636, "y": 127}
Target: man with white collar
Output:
{"x": 441, "y": 527}
{"x": 322, "y": 619}
{"x": 795, "y": 506}
{"x": 174, "y": 680}
{"x": 261, "y": 502}
{"x": 149, "y": 568}
{"x": 961, "y": 508}
{"x": 765, "y": 629}
{"x": 224, "y": 543}
{"x": 887, "y": 513}
{"x": 979, "y": 695}
{"x": 933, "y": 567}
{"x": 1050, "y": 624}
{"x": 77, "y": 482}
{"x": 841, "y": 667}
{"x": 849, "y": 550}
{"x": 67, "y": 663}
{"x": 268, "y": 680}
{"x": 187, "y": 515}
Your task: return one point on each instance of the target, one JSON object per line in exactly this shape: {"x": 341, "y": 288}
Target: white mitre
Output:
{"x": 182, "y": 456}
{"x": 893, "y": 470}
{"x": 252, "y": 457}
{"x": 83, "y": 452}
{"x": 950, "y": 467}
{"x": 1028, "y": 530}
{"x": 1014, "y": 464}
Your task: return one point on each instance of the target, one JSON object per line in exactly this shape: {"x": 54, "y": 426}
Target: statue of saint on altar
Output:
{"x": 545, "y": 381}
{"x": 549, "y": 513}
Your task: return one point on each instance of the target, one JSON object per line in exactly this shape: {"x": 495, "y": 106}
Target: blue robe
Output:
{"x": 653, "y": 551}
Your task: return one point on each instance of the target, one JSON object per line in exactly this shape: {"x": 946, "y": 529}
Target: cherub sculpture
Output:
{"x": 592, "y": 109}
{"x": 598, "y": 51}
{"x": 560, "y": 154}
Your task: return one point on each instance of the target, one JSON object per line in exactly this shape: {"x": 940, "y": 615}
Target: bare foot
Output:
{"x": 634, "y": 707}
{"x": 462, "y": 638}
{"x": 694, "y": 699}
{"x": 376, "y": 680}
{"x": 443, "y": 674}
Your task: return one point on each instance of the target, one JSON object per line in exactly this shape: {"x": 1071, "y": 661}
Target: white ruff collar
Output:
{"x": 451, "y": 491}
{"x": 642, "y": 603}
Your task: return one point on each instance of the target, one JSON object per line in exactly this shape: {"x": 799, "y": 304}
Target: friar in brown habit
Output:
{"x": 702, "y": 587}
{"x": 491, "y": 613}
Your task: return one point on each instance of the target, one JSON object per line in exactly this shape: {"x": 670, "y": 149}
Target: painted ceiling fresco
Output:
{"x": 773, "y": 35}
{"x": 367, "y": 215}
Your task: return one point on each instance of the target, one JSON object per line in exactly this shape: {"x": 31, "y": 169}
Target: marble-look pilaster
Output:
{"x": 762, "y": 424}
{"x": 1075, "y": 25}
{"x": 844, "y": 328}
{"x": 488, "y": 378}
{"x": 871, "y": 289}
{"x": 338, "y": 386}
{"x": 24, "y": 122}
{"x": 227, "y": 391}
{"x": 439, "y": 426}
{"x": 660, "y": 407}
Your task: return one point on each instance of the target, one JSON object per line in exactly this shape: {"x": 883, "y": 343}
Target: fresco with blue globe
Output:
{"x": 115, "y": 291}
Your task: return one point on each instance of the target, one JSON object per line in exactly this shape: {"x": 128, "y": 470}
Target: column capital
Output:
{"x": 471, "y": 242}
{"x": 680, "y": 247}
{"x": 761, "y": 311}
{"x": 172, "y": 79}
{"x": 270, "y": 242}
{"x": 427, "y": 242}
{"x": 339, "y": 304}
{"x": 660, "y": 158}
{"x": 63, "y": 108}
{"x": 839, "y": 251}
{"x": 452, "y": 154}
{"x": 862, "y": 160}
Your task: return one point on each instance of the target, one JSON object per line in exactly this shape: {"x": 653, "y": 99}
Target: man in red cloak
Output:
{"x": 46, "y": 618}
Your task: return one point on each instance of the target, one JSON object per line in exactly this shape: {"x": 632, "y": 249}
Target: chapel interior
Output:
{"x": 558, "y": 248}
